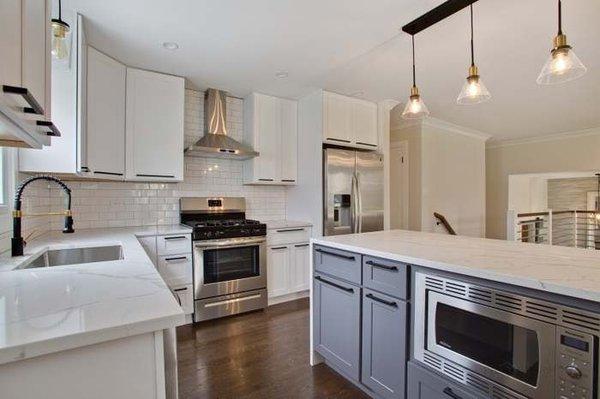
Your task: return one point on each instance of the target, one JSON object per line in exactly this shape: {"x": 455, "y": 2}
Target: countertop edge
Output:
{"x": 471, "y": 272}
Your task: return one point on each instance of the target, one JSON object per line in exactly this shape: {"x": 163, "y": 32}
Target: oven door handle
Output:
{"x": 233, "y": 243}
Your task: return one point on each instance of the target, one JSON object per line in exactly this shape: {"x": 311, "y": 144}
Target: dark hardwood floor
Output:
{"x": 256, "y": 355}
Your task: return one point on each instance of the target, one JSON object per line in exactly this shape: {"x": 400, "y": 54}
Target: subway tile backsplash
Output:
{"x": 119, "y": 204}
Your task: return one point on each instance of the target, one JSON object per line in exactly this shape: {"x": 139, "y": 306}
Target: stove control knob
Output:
{"x": 573, "y": 372}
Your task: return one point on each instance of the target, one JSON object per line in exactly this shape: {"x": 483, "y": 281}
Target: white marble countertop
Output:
{"x": 560, "y": 270}
{"x": 46, "y": 310}
{"x": 286, "y": 224}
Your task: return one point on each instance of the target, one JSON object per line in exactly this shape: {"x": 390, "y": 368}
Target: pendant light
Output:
{"x": 473, "y": 91}
{"x": 60, "y": 29}
{"x": 415, "y": 107}
{"x": 562, "y": 65}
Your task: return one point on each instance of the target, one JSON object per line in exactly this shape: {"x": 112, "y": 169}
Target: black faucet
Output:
{"x": 17, "y": 242}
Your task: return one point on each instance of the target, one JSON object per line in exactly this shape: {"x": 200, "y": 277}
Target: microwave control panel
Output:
{"x": 574, "y": 364}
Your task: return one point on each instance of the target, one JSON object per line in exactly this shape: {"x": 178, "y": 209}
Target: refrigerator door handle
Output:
{"x": 358, "y": 205}
{"x": 353, "y": 226}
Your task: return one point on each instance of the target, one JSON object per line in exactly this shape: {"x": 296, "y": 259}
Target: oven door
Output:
{"x": 229, "y": 266}
{"x": 512, "y": 350}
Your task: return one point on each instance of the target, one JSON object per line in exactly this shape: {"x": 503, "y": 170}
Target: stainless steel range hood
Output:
{"x": 215, "y": 143}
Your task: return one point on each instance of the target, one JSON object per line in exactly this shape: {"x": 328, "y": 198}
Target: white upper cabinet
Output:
{"x": 349, "y": 121}
{"x": 105, "y": 132}
{"x": 25, "y": 73}
{"x": 154, "y": 126}
{"x": 271, "y": 128}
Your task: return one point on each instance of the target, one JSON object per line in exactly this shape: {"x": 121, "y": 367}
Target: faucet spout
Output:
{"x": 17, "y": 242}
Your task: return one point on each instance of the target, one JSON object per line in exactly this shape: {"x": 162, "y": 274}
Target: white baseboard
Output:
{"x": 288, "y": 297}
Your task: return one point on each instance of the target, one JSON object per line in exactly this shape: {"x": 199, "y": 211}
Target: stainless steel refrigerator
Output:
{"x": 353, "y": 190}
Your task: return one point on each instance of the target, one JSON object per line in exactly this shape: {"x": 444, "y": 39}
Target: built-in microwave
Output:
{"x": 505, "y": 345}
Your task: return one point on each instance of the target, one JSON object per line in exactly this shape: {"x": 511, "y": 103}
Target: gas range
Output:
{"x": 212, "y": 229}
{"x": 230, "y": 256}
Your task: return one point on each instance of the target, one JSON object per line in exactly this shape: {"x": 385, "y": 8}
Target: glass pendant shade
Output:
{"x": 415, "y": 107}
{"x": 60, "y": 45}
{"x": 562, "y": 66}
{"x": 473, "y": 92}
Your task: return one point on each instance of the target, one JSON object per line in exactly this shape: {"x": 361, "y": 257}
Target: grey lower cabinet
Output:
{"x": 384, "y": 342}
{"x": 425, "y": 384}
{"x": 336, "y": 323}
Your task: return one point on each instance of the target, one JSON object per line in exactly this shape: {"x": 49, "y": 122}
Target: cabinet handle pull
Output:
{"x": 27, "y": 96}
{"x": 448, "y": 391}
{"x": 381, "y": 266}
{"x": 176, "y": 258}
{"x": 370, "y": 145}
{"x": 347, "y": 257}
{"x": 301, "y": 245}
{"x": 53, "y": 129}
{"x": 265, "y": 179}
{"x": 341, "y": 287}
{"x": 340, "y": 140}
{"x": 286, "y": 230}
{"x": 176, "y": 238}
{"x": 278, "y": 247}
{"x": 108, "y": 173}
{"x": 288, "y": 180}
{"x": 389, "y": 303}
{"x": 143, "y": 175}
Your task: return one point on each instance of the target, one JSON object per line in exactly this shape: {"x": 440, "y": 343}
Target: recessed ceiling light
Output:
{"x": 170, "y": 45}
{"x": 282, "y": 74}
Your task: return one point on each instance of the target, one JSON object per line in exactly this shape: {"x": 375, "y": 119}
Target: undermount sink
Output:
{"x": 71, "y": 256}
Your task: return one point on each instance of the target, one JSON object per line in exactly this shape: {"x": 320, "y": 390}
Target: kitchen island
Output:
{"x": 423, "y": 315}
{"x": 92, "y": 330}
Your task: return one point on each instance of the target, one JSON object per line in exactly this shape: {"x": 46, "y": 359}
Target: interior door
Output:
{"x": 369, "y": 174}
{"x": 339, "y": 211}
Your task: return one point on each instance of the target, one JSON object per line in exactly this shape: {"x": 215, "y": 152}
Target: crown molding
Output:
{"x": 451, "y": 127}
{"x": 540, "y": 139}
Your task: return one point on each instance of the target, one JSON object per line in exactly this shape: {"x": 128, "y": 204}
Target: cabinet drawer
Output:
{"x": 288, "y": 235}
{"x": 336, "y": 323}
{"x": 174, "y": 244}
{"x": 424, "y": 384}
{"x": 185, "y": 297}
{"x": 386, "y": 276}
{"x": 342, "y": 264}
{"x": 176, "y": 270}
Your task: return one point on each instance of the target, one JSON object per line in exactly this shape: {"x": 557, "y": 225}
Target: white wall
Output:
{"x": 576, "y": 152}
{"x": 527, "y": 193}
{"x": 446, "y": 175}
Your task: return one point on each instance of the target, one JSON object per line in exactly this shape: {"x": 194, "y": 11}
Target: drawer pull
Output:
{"x": 389, "y": 303}
{"x": 278, "y": 247}
{"x": 341, "y": 287}
{"x": 288, "y": 180}
{"x": 381, "y": 266}
{"x": 347, "y": 257}
{"x": 288, "y": 230}
{"x": 159, "y": 176}
{"x": 265, "y": 179}
{"x": 340, "y": 140}
{"x": 449, "y": 392}
{"x": 176, "y": 258}
{"x": 176, "y": 238}
{"x": 53, "y": 129}
{"x": 301, "y": 245}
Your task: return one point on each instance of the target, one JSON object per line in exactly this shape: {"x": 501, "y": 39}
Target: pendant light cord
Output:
{"x": 559, "y": 17}
{"x": 472, "y": 50}
{"x": 60, "y": 10}
{"x": 413, "y": 59}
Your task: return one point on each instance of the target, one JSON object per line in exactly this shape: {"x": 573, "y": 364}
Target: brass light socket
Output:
{"x": 560, "y": 41}
{"x": 414, "y": 91}
{"x": 473, "y": 71}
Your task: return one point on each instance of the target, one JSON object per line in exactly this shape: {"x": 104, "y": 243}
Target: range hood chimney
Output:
{"x": 215, "y": 143}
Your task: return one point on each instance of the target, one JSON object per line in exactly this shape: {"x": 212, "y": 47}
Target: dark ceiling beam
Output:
{"x": 437, "y": 14}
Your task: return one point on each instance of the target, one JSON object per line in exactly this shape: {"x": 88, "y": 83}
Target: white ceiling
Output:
{"x": 351, "y": 46}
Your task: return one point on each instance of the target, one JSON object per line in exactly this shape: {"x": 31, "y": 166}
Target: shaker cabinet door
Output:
{"x": 336, "y": 323}
{"x": 384, "y": 340}
{"x": 300, "y": 267}
{"x": 278, "y": 270}
{"x": 288, "y": 152}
